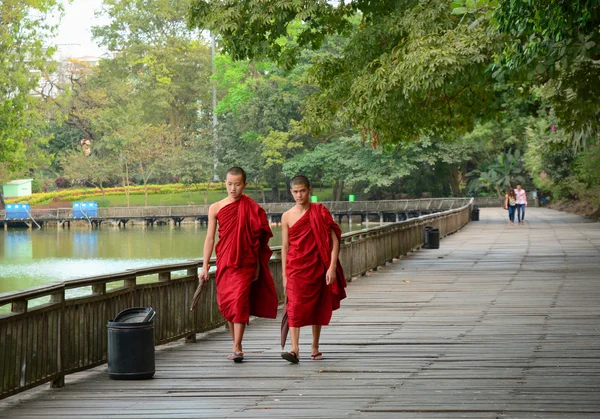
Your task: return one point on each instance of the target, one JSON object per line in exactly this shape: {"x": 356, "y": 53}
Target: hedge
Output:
{"x": 83, "y": 194}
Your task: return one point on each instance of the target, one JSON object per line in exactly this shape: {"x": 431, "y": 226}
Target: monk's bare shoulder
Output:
{"x": 291, "y": 216}
{"x": 285, "y": 217}
{"x": 216, "y": 207}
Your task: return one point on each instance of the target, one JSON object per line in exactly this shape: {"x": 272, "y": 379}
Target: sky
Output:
{"x": 74, "y": 35}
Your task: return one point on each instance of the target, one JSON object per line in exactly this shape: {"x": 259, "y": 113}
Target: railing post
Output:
{"x": 99, "y": 289}
{"x": 59, "y": 299}
{"x": 19, "y": 306}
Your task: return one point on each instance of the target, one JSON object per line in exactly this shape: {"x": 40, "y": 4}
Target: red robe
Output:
{"x": 244, "y": 234}
{"x": 310, "y": 301}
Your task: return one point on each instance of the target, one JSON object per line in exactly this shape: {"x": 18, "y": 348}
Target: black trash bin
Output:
{"x": 475, "y": 213}
{"x": 432, "y": 238}
{"x": 426, "y": 237}
{"x": 131, "y": 344}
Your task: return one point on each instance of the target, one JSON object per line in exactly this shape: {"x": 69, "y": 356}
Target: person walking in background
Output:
{"x": 510, "y": 204}
{"x": 521, "y": 203}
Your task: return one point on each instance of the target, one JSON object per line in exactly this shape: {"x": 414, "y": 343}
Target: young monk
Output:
{"x": 313, "y": 277}
{"x": 244, "y": 283}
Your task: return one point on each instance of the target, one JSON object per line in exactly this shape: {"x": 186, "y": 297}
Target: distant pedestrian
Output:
{"x": 521, "y": 203}
{"x": 510, "y": 204}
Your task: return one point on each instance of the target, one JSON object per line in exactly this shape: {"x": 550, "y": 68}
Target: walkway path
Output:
{"x": 500, "y": 322}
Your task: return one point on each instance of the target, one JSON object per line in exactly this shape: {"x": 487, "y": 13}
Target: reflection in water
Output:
{"x": 30, "y": 258}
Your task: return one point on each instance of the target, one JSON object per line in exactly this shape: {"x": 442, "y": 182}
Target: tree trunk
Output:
{"x": 455, "y": 181}
{"x": 340, "y": 191}
{"x": 288, "y": 195}
{"x": 127, "y": 183}
{"x": 336, "y": 185}
{"x": 275, "y": 193}
{"x": 262, "y": 193}
{"x": 145, "y": 192}
{"x": 2, "y": 203}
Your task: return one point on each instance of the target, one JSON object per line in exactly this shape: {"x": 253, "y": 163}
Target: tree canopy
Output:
{"x": 408, "y": 68}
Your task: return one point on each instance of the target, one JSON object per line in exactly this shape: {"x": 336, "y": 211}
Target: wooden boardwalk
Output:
{"x": 500, "y": 322}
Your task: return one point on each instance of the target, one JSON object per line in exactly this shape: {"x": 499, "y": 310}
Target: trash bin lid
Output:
{"x": 135, "y": 315}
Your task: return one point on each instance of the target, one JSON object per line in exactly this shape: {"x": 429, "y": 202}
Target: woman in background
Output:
{"x": 510, "y": 203}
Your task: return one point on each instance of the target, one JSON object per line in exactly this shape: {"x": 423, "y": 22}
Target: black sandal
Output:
{"x": 290, "y": 357}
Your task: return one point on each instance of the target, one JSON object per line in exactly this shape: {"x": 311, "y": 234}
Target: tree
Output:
{"x": 147, "y": 148}
{"x": 95, "y": 169}
{"x": 23, "y": 59}
{"x": 410, "y": 68}
{"x": 553, "y": 48}
{"x": 349, "y": 162}
{"x": 259, "y": 112}
{"x": 504, "y": 172}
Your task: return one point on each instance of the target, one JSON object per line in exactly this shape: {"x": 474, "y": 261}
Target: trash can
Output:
{"x": 426, "y": 237}
{"x": 131, "y": 344}
{"x": 432, "y": 238}
{"x": 475, "y": 213}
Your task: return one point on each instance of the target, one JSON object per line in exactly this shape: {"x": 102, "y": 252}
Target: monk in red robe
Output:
{"x": 244, "y": 283}
{"x": 313, "y": 277}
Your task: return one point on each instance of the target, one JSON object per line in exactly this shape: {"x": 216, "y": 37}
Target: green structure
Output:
{"x": 17, "y": 188}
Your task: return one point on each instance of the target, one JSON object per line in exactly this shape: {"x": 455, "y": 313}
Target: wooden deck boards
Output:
{"x": 500, "y": 322}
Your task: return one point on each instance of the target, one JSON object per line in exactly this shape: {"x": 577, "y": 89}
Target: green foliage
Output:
{"x": 557, "y": 167}
{"x": 23, "y": 59}
{"x": 553, "y": 48}
{"x": 408, "y": 68}
{"x": 351, "y": 161}
{"x": 502, "y": 173}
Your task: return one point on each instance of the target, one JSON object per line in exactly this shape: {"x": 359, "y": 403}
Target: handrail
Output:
{"x": 338, "y": 207}
{"x": 67, "y": 333}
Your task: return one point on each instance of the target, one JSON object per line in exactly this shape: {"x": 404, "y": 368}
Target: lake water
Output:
{"x": 35, "y": 257}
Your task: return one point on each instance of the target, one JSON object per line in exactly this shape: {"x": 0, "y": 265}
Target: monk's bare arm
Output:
{"x": 331, "y": 272}
{"x": 285, "y": 245}
{"x": 209, "y": 242}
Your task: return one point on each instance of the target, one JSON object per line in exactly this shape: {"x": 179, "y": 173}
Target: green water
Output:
{"x": 36, "y": 257}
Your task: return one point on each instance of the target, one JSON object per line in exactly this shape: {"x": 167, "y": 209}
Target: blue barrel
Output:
{"x": 85, "y": 210}
{"x": 17, "y": 211}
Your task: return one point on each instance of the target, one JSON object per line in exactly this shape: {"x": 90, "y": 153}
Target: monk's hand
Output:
{"x": 203, "y": 275}
{"x": 330, "y": 276}
{"x": 255, "y": 277}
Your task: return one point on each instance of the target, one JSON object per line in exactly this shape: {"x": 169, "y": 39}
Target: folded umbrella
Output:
{"x": 201, "y": 286}
{"x": 285, "y": 327}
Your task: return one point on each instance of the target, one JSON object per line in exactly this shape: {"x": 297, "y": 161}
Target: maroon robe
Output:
{"x": 244, "y": 234}
{"x": 310, "y": 301}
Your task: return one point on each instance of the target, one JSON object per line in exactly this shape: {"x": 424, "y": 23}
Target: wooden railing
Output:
{"x": 55, "y": 330}
{"x": 344, "y": 207}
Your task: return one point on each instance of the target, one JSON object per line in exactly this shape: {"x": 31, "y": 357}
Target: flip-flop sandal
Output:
{"x": 236, "y": 357}
{"x": 317, "y": 357}
{"x": 290, "y": 357}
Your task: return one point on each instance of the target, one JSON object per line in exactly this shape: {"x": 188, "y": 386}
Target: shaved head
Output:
{"x": 300, "y": 180}
{"x": 237, "y": 171}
